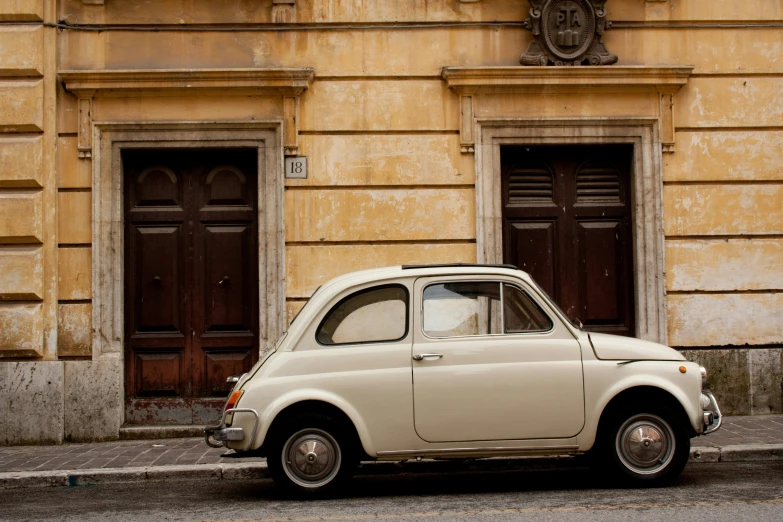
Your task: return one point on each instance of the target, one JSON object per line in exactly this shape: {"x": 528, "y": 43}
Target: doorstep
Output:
{"x": 160, "y": 431}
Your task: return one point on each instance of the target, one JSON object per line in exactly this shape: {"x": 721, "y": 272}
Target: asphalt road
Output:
{"x": 554, "y": 491}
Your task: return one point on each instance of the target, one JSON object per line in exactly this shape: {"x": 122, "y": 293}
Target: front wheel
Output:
{"x": 311, "y": 456}
{"x": 649, "y": 448}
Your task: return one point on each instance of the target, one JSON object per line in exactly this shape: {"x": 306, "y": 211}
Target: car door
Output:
{"x": 492, "y": 363}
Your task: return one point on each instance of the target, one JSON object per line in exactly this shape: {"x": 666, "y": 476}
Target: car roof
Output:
{"x": 400, "y": 271}
{"x": 391, "y": 273}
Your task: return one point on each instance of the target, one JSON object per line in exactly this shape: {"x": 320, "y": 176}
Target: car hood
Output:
{"x": 615, "y": 347}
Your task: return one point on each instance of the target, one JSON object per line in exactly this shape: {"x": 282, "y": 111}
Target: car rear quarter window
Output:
{"x": 373, "y": 315}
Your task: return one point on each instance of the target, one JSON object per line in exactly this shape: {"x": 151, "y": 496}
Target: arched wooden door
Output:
{"x": 191, "y": 280}
{"x": 567, "y": 220}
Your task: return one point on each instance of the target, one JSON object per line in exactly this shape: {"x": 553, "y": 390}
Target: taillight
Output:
{"x": 233, "y": 399}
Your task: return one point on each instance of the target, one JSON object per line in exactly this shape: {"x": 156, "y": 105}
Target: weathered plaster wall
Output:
{"x": 388, "y": 183}
{"x": 31, "y": 391}
{"x": 21, "y": 181}
{"x": 723, "y": 194}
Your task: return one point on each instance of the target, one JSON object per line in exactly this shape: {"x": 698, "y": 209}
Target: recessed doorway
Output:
{"x": 191, "y": 280}
{"x": 567, "y": 220}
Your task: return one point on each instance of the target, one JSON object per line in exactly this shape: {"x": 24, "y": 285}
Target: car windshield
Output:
{"x": 575, "y": 322}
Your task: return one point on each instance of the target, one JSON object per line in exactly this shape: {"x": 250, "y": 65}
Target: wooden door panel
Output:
{"x": 227, "y": 293}
{"x": 226, "y": 185}
{"x": 159, "y": 374}
{"x": 220, "y": 364}
{"x": 225, "y": 307}
{"x": 158, "y": 284}
{"x": 601, "y": 272}
{"x": 533, "y": 250}
{"x": 157, "y": 186}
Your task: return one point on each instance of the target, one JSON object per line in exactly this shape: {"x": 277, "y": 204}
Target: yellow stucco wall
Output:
{"x": 388, "y": 183}
{"x": 28, "y": 293}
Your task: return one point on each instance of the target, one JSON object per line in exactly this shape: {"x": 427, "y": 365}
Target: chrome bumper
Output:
{"x": 223, "y": 434}
{"x": 712, "y": 417}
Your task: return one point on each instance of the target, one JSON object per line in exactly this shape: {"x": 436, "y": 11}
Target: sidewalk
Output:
{"x": 739, "y": 439}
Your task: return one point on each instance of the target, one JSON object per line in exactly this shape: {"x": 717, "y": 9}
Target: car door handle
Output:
{"x": 427, "y": 356}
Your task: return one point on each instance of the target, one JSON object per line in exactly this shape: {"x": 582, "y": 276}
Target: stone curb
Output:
{"x": 258, "y": 470}
{"x": 737, "y": 453}
{"x": 26, "y": 479}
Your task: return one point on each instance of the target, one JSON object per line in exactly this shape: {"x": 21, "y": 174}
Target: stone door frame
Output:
{"x": 646, "y": 194}
{"x": 108, "y": 305}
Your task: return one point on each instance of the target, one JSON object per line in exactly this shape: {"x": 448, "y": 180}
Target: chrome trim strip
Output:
{"x": 629, "y": 361}
{"x": 460, "y": 451}
{"x": 501, "y": 279}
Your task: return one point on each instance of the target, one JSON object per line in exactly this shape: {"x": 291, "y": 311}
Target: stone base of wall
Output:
{"x": 31, "y": 403}
{"x": 81, "y": 401}
{"x": 746, "y": 381}
{"x": 51, "y": 402}
{"x": 94, "y": 398}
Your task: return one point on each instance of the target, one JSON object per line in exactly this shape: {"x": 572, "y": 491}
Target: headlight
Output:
{"x": 703, "y": 371}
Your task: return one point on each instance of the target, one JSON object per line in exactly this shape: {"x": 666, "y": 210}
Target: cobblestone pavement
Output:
{"x": 758, "y": 429}
{"x": 118, "y": 454}
{"x": 767, "y": 429}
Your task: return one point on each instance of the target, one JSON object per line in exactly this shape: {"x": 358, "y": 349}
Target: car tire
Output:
{"x": 648, "y": 447}
{"x": 311, "y": 455}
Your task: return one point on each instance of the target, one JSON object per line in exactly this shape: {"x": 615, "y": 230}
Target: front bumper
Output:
{"x": 711, "y": 414}
{"x": 223, "y": 434}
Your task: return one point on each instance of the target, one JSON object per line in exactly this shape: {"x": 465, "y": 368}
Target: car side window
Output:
{"x": 521, "y": 314}
{"x": 378, "y": 314}
{"x": 462, "y": 308}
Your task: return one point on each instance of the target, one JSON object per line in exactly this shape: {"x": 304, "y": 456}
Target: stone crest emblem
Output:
{"x": 567, "y": 32}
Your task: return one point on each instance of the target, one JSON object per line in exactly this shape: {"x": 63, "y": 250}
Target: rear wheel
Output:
{"x": 648, "y": 447}
{"x": 311, "y": 455}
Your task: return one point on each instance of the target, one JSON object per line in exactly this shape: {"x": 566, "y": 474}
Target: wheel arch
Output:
{"x": 613, "y": 457}
{"x": 642, "y": 394}
{"x": 345, "y": 415}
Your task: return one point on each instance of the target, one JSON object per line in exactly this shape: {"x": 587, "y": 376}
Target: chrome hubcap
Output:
{"x": 311, "y": 458}
{"x": 645, "y": 444}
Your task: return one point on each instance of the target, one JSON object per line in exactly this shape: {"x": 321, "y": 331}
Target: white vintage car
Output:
{"x": 458, "y": 361}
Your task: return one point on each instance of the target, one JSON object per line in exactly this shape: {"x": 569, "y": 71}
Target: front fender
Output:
{"x": 604, "y": 380}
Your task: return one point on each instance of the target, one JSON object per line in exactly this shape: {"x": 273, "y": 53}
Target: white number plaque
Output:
{"x": 296, "y": 167}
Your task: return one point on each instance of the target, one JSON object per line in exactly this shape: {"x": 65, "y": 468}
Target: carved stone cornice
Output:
{"x": 151, "y": 82}
{"x": 663, "y": 82}
{"x": 525, "y": 79}
{"x": 90, "y": 84}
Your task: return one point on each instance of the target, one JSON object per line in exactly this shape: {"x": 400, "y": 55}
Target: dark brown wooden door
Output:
{"x": 191, "y": 280}
{"x": 567, "y": 221}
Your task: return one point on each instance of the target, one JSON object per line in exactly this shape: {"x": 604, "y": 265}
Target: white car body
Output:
{"x": 477, "y": 396}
